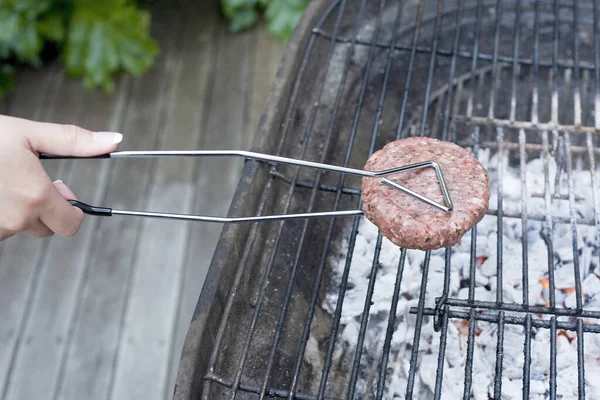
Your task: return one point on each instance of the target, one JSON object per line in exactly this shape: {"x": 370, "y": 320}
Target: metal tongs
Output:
{"x": 107, "y": 212}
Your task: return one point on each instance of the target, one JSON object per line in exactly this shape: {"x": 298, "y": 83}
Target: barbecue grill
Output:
{"x": 516, "y": 82}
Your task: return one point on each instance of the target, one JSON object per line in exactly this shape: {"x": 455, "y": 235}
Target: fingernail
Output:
{"x": 107, "y": 137}
{"x": 64, "y": 190}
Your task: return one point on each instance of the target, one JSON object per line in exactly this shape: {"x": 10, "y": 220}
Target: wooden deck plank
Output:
{"x": 91, "y": 355}
{"x": 20, "y": 261}
{"x": 145, "y": 351}
{"x": 47, "y": 330}
{"x": 267, "y": 57}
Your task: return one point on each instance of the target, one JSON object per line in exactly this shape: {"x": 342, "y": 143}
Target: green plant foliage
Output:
{"x": 95, "y": 39}
{"x": 282, "y": 16}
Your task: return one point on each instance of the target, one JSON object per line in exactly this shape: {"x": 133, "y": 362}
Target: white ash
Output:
{"x": 484, "y": 358}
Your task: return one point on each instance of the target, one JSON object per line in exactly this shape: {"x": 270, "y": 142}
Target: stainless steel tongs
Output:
{"x": 105, "y": 211}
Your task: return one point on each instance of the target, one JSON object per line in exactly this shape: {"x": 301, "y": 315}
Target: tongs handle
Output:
{"x": 47, "y": 156}
{"x": 92, "y": 210}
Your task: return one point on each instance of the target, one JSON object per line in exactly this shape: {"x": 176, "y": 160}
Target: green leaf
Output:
{"x": 28, "y": 45}
{"x": 10, "y": 22}
{"x": 52, "y": 27}
{"x": 283, "y": 16}
{"x": 232, "y": 7}
{"x": 242, "y": 20}
{"x": 104, "y": 40}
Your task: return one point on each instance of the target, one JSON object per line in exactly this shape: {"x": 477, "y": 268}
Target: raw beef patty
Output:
{"x": 408, "y": 222}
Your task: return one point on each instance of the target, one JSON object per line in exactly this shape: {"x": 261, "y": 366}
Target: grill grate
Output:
{"x": 520, "y": 79}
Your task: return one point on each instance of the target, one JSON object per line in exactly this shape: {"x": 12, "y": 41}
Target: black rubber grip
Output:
{"x": 45, "y": 156}
{"x": 92, "y": 210}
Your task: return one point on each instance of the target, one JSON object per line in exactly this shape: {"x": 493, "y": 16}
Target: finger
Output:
{"x": 64, "y": 190}
{"x": 65, "y": 140}
{"x": 38, "y": 230}
{"x": 59, "y": 215}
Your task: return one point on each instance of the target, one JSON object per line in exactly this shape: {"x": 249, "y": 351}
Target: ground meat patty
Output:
{"x": 408, "y": 222}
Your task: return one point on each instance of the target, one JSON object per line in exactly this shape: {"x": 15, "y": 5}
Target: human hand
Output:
{"x": 29, "y": 202}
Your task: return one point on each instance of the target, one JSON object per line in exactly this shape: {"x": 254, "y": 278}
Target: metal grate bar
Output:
{"x": 536, "y": 64}
{"x": 527, "y": 357}
{"x": 310, "y": 185}
{"x": 580, "y": 360}
{"x": 569, "y": 163}
{"x": 352, "y": 240}
{"x": 499, "y": 357}
{"x": 437, "y": 394}
{"x": 439, "y": 302}
{"x": 390, "y": 327}
{"x": 434, "y": 46}
{"x": 452, "y": 73}
{"x": 515, "y": 64}
{"x": 418, "y": 325}
{"x": 364, "y": 319}
{"x": 495, "y": 68}
{"x": 411, "y": 64}
{"x": 500, "y": 225}
{"x": 576, "y": 267}
{"x": 524, "y": 218}
{"x": 507, "y": 123}
{"x": 576, "y": 66}
{"x": 512, "y": 307}
{"x": 554, "y": 74}
{"x": 470, "y": 354}
{"x": 553, "y": 358}
{"x": 530, "y": 147}
{"x": 595, "y": 199}
{"x": 513, "y": 319}
{"x": 548, "y": 228}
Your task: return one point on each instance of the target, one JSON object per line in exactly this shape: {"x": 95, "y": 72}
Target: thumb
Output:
{"x": 66, "y": 140}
